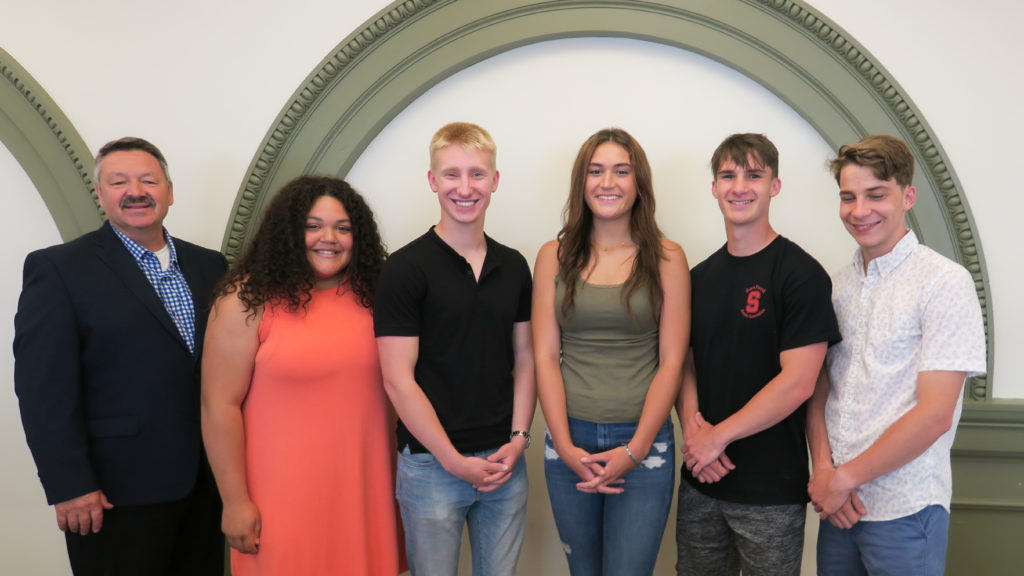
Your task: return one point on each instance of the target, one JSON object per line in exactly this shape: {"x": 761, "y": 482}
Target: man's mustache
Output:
{"x": 137, "y": 200}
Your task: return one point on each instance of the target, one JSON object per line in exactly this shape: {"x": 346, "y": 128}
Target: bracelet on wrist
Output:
{"x": 630, "y": 454}
{"x": 523, "y": 433}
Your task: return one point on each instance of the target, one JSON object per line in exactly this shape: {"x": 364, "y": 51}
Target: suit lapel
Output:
{"x": 191, "y": 272}
{"x": 112, "y": 252}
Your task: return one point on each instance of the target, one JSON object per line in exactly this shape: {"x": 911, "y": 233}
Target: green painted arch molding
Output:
{"x": 785, "y": 45}
{"x": 49, "y": 149}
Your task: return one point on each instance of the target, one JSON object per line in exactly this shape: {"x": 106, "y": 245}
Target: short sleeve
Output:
{"x": 952, "y": 330}
{"x": 398, "y": 303}
{"x": 807, "y": 314}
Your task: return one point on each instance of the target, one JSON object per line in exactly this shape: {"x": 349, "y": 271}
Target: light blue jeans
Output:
{"x": 613, "y": 534}
{"x": 435, "y": 505}
{"x": 914, "y": 544}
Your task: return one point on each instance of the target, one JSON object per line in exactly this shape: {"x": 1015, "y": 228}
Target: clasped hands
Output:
{"x": 703, "y": 453}
{"x": 705, "y": 458}
{"x": 600, "y": 473}
{"x": 832, "y": 499}
{"x": 489, "y": 474}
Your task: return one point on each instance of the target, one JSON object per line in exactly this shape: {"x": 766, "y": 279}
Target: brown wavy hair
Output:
{"x": 574, "y": 249}
{"x": 275, "y": 265}
{"x": 886, "y": 156}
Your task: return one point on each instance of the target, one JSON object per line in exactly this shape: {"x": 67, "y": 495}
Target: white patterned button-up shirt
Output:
{"x": 914, "y": 310}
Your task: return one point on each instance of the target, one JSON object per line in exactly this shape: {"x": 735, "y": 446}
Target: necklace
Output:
{"x": 614, "y": 246}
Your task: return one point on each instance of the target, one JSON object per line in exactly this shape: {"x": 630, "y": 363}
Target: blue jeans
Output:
{"x": 612, "y": 534}
{"x": 436, "y": 504}
{"x": 914, "y": 544}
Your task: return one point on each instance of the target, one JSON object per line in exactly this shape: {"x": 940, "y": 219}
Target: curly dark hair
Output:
{"x": 275, "y": 265}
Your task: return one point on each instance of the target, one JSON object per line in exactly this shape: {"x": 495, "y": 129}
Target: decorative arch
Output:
{"x": 785, "y": 45}
{"x": 411, "y": 45}
{"x": 48, "y": 147}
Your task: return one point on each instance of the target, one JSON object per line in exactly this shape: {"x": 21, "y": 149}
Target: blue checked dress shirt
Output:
{"x": 170, "y": 285}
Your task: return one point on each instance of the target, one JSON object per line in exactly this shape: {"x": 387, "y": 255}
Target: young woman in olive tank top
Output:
{"x": 611, "y": 307}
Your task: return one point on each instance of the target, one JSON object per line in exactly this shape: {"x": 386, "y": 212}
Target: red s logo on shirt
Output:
{"x": 753, "y": 308}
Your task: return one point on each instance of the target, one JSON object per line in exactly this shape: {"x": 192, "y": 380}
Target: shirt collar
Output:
{"x": 886, "y": 263}
{"x": 139, "y": 252}
{"x": 489, "y": 258}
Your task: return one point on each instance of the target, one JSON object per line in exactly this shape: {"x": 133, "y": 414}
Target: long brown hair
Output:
{"x": 574, "y": 248}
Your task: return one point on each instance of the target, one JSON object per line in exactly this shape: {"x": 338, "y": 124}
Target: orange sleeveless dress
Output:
{"x": 318, "y": 457}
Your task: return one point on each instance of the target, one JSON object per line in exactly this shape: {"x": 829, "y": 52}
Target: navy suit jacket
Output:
{"x": 107, "y": 387}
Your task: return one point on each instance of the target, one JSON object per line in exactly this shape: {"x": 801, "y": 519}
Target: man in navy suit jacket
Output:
{"x": 107, "y": 338}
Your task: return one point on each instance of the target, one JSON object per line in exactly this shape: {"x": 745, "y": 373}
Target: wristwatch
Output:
{"x": 523, "y": 433}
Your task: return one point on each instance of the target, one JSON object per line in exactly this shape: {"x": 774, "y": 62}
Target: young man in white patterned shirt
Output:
{"x": 882, "y": 419}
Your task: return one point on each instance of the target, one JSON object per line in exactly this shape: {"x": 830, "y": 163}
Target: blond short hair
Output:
{"x": 465, "y": 135}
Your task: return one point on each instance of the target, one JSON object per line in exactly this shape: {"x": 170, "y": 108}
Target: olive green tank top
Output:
{"x": 608, "y": 357}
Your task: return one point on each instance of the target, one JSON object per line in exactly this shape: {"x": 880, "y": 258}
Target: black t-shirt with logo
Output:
{"x": 746, "y": 311}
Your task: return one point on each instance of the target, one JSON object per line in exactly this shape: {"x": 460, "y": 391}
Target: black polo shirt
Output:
{"x": 466, "y": 354}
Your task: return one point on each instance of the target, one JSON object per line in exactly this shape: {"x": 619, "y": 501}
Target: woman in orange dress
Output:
{"x": 295, "y": 419}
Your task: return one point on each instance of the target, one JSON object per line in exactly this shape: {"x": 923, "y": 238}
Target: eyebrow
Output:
{"x": 459, "y": 169}
{"x": 123, "y": 174}
{"x": 318, "y": 219}
{"x": 751, "y": 170}
{"x": 868, "y": 190}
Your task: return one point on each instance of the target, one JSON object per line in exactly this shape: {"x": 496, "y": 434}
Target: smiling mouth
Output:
{"x": 740, "y": 202}
{"x": 464, "y": 203}
{"x": 608, "y": 197}
{"x": 326, "y": 252}
{"x": 864, "y": 227}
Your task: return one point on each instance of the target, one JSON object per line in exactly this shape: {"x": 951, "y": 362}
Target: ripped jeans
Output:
{"x": 612, "y": 534}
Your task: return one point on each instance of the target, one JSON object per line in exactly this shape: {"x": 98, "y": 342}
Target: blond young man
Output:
{"x": 452, "y": 320}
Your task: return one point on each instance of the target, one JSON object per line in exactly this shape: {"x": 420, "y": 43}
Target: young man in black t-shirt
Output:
{"x": 452, "y": 319}
{"x": 762, "y": 320}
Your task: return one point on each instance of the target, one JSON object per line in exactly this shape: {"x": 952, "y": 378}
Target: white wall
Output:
{"x": 205, "y": 81}
{"x": 28, "y": 543}
{"x": 952, "y": 59}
